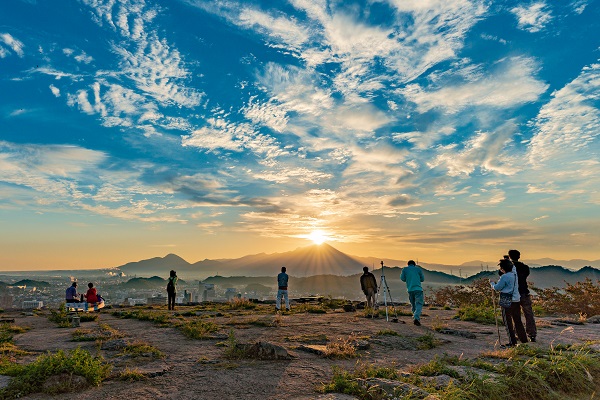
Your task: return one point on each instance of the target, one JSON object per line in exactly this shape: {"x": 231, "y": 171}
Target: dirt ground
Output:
{"x": 197, "y": 369}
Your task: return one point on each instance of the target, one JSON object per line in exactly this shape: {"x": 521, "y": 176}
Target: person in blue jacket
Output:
{"x": 413, "y": 276}
{"x": 509, "y": 283}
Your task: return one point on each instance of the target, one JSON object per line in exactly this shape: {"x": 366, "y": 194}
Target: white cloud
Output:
{"x": 532, "y": 18}
{"x": 55, "y": 90}
{"x": 513, "y": 83}
{"x": 84, "y": 58}
{"x": 568, "y": 127}
{"x": 14, "y": 44}
{"x": 485, "y": 151}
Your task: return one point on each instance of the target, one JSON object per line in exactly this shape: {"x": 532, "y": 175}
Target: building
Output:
{"x": 156, "y": 301}
{"x": 32, "y": 304}
{"x": 230, "y": 293}
{"x": 208, "y": 294}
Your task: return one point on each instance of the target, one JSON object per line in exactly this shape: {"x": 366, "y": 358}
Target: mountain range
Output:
{"x": 324, "y": 260}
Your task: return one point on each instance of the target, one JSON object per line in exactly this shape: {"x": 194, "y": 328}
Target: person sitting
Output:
{"x": 71, "y": 294}
{"x": 91, "y": 296}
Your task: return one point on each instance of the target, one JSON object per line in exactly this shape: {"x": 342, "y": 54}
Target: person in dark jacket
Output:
{"x": 523, "y": 273}
{"x": 368, "y": 284}
{"x": 171, "y": 290}
{"x": 282, "y": 290}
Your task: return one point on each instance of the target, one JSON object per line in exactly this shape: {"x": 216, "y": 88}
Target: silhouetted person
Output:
{"x": 282, "y": 290}
{"x": 508, "y": 283}
{"x": 71, "y": 294}
{"x": 171, "y": 290}
{"x": 368, "y": 284}
{"x": 91, "y": 296}
{"x": 413, "y": 276}
{"x": 522, "y": 274}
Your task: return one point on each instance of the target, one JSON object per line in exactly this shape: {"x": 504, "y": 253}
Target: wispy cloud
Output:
{"x": 12, "y": 43}
{"x": 534, "y": 17}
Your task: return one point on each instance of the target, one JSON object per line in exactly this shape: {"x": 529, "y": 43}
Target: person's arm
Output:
{"x": 421, "y": 275}
{"x": 362, "y": 283}
{"x": 501, "y": 283}
{"x": 403, "y": 275}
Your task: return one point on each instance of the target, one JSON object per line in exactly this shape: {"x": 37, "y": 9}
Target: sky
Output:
{"x": 439, "y": 130}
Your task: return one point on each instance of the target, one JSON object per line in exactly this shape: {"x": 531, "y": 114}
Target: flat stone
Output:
{"x": 456, "y": 332}
{"x": 438, "y": 381}
{"x": 593, "y": 320}
{"x": 464, "y": 372}
{"x": 4, "y": 381}
{"x": 114, "y": 344}
{"x": 317, "y": 349}
{"x": 392, "y": 388}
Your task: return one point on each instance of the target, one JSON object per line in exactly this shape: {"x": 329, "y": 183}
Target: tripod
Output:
{"x": 383, "y": 286}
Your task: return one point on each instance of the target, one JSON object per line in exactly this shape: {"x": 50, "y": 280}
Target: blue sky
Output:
{"x": 434, "y": 129}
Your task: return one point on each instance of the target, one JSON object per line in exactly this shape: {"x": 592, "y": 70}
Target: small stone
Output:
{"x": 392, "y": 388}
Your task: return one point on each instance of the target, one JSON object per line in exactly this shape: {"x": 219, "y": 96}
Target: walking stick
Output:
{"x": 496, "y": 316}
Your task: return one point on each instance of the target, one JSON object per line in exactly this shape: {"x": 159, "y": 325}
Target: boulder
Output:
{"x": 593, "y": 320}
{"x": 438, "y": 381}
{"x": 456, "y": 332}
{"x": 265, "y": 351}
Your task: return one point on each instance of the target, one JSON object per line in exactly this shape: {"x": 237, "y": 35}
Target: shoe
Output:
{"x": 288, "y": 309}
{"x": 532, "y": 339}
{"x": 417, "y": 322}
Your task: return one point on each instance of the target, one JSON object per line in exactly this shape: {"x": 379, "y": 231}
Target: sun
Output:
{"x": 318, "y": 237}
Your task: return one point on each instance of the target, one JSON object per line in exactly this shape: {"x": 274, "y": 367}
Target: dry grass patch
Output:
{"x": 341, "y": 348}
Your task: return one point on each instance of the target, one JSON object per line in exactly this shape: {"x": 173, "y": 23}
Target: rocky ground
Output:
{"x": 198, "y": 369}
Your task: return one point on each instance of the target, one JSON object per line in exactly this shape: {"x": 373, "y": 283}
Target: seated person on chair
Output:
{"x": 91, "y": 296}
{"x": 71, "y": 294}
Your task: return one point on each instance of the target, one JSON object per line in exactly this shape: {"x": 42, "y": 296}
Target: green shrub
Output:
{"x": 478, "y": 313}
{"x": 387, "y": 332}
{"x": 31, "y": 377}
{"x": 478, "y": 292}
{"x": 198, "y": 329}
{"x": 578, "y": 298}
{"x": 428, "y": 341}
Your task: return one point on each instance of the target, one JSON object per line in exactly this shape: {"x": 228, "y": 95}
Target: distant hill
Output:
{"x": 145, "y": 283}
{"x": 31, "y": 283}
{"x": 320, "y": 260}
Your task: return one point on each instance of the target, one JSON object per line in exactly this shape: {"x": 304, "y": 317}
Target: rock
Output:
{"x": 329, "y": 396}
{"x": 349, "y": 308}
{"x": 114, "y": 344}
{"x": 593, "y": 320}
{"x": 464, "y": 372}
{"x": 456, "y": 332}
{"x": 4, "y": 381}
{"x": 392, "y": 388}
{"x": 362, "y": 345}
{"x": 63, "y": 383}
{"x": 317, "y": 349}
{"x": 265, "y": 351}
{"x": 567, "y": 321}
{"x": 438, "y": 381}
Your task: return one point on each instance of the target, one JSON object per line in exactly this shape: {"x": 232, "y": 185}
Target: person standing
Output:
{"x": 282, "y": 290}
{"x": 171, "y": 290}
{"x": 71, "y": 294}
{"x": 413, "y": 276}
{"x": 522, "y": 274}
{"x": 368, "y": 284}
{"x": 508, "y": 283}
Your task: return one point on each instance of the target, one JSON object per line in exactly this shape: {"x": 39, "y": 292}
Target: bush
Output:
{"x": 198, "y": 329}
{"x": 478, "y": 292}
{"x": 478, "y": 313}
{"x": 30, "y": 378}
{"x": 578, "y": 298}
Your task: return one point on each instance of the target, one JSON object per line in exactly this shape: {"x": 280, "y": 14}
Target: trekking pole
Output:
{"x": 496, "y": 316}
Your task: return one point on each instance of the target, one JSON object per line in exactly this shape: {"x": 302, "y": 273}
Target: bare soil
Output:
{"x": 198, "y": 369}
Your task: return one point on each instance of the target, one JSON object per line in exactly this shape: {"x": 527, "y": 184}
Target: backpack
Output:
{"x": 170, "y": 286}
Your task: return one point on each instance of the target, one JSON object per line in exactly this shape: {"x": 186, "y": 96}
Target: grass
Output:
{"x": 131, "y": 375}
{"x": 198, "y": 329}
{"x": 159, "y": 317}
{"x": 142, "y": 349}
{"x": 477, "y": 313}
{"x": 30, "y": 378}
{"x": 428, "y": 341}
{"x": 526, "y": 373}
{"x": 308, "y": 338}
{"x": 240, "y": 304}
{"x": 83, "y": 335}
{"x": 341, "y": 348}
{"x": 387, "y": 332}
{"x": 232, "y": 349}
{"x": 309, "y": 308}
